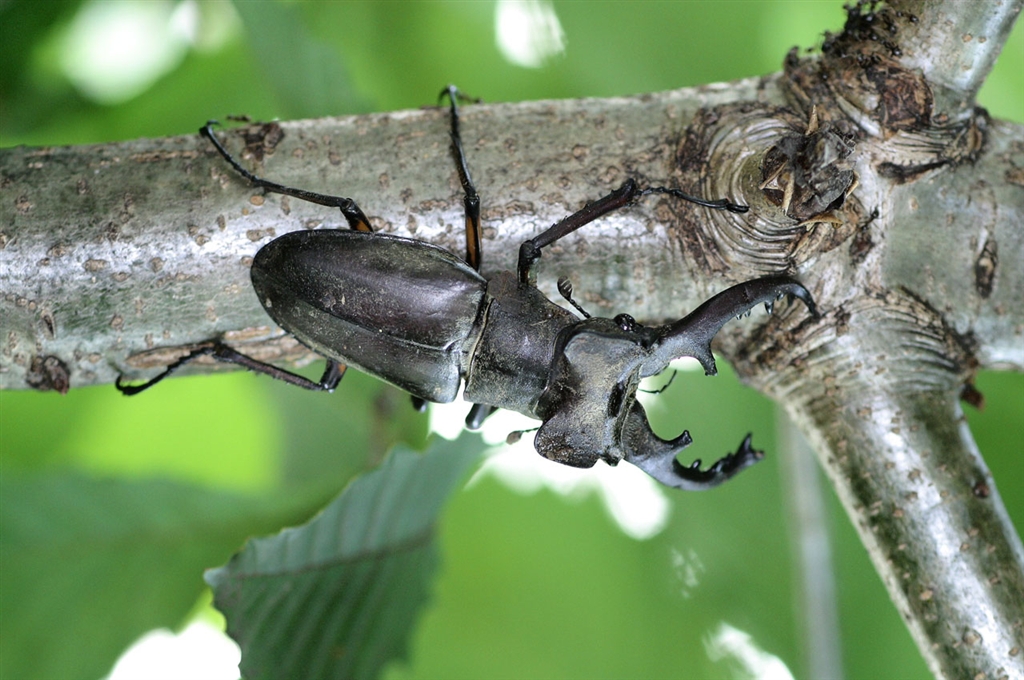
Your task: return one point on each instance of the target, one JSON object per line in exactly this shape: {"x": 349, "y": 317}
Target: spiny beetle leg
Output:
{"x": 530, "y": 251}
{"x": 352, "y": 212}
{"x": 718, "y": 204}
{"x": 664, "y": 387}
{"x": 471, "y": 201}
{"x": 333, "y": 371}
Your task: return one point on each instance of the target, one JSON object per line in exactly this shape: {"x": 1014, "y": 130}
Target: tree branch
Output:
{"x": 870, "y": 175}
{"x": 879, "y": 402}
{"x": 977, "y": 29}
{"x": 116, "y": 249}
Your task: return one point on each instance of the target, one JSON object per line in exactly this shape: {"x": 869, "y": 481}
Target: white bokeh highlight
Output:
{"x": 528, "y": 32}
{"x": 199, "y": 652}
{"x": 114, "y": 51}
{"x": 636, "y": 503}
{"x": 745, "y": 658}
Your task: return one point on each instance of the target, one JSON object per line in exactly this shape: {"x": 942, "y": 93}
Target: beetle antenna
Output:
{"x": 530, "y": 251}
{"x": 565, "y": 289}
{"x": 664, "y": 387}
{"x": 515, "y": 436}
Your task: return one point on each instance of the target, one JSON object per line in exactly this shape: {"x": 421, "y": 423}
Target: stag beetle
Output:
{"x": 417, "y": 316}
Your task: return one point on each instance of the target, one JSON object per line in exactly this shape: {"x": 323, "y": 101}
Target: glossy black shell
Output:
{"x": 392, "y": 307}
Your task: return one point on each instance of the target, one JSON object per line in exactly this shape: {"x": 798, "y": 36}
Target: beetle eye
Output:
{"x": 626, "y": 322}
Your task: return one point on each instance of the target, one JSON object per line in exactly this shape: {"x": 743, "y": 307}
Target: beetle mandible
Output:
{"x": 417, "y": 316}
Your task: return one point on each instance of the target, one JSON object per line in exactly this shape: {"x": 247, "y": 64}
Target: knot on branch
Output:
{"x": 793, "y": 173}
{"x": 861, "y": 66}
{"x": 47, "y": 373}
{"x": 862, "y": 77}
{"x": 885, "y": 341}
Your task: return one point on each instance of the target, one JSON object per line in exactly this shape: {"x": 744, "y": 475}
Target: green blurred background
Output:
{"x": 111, "y": 507}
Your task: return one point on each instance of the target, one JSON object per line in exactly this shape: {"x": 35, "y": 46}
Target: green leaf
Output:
{"x": 307, "y": 74}
{"x": 89, "y": 565}
{"x": 338, "y": 597}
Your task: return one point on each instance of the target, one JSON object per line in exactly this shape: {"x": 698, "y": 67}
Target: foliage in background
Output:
{"x": 112, "y": 507}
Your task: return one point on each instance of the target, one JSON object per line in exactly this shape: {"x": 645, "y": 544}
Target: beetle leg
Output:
{"x": 471, "y": 199}
{"x": 718, "y": 204}
{"x": 474, "y": 420}
{"x": 664, "y": 387}
{"x": 352, "y": 212}
{"x": 333, "y": 372}
{"x": 479, "y": 412}
{"x": 530, "y": 251}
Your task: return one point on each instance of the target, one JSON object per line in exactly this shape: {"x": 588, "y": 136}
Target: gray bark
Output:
{"x": 115, "y": 257}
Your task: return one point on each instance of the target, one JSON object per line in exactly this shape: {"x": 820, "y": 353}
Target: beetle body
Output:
{"x": 413, "y": 315}
{"x": 419, "y": 317}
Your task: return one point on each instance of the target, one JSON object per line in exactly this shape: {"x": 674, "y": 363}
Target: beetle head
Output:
{"x": 589, "y": 407}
